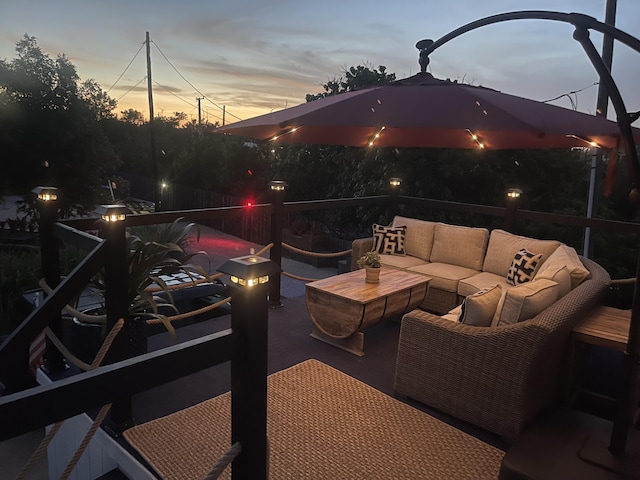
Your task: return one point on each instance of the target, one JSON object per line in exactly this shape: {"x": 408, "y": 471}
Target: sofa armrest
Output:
{"x": 358, "y": 248}
{"x": 478, "y": 374}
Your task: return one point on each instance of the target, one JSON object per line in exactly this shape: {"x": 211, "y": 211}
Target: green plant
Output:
{"x": 370, "y": 259}
{"x": 154, "y": 252}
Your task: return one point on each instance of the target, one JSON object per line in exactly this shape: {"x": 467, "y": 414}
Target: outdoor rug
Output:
{"x": 321, "y": 424}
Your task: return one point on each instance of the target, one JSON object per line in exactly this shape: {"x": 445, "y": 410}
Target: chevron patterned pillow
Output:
{"x": 389, "y": 240}
{"x": 523, "y": 267}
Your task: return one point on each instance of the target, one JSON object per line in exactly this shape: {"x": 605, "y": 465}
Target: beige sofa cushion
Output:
{"x": 480, "y": 281}
{"x": 458, "y": 245}
{"x": 479, "y": 309}
{"x": 418, "y": 240}
{"x": 525, "y": 301}
{"x": 399, "y": 261}
{"x": 504, "y": 245}
{"x": 453, "y": 315}
{"x": 443, "y": 276}
{"x": 566, "y": 256}
{"x": 560, "y": 275}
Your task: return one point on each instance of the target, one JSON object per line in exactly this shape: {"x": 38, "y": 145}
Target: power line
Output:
{"x": 129, "y": 91}
{"x": 192, "y": 86}
{"x": 179, "y": 97}
{"x": 127, "y": 67}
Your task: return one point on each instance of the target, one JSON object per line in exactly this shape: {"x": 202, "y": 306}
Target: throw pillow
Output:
{"x": 523, "y": 267}
{"x": 525, "y": 301}
{"x": 389, "y": 240}
{"x": 478, "y": 309}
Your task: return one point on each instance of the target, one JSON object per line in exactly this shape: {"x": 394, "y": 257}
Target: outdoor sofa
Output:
{"x": 481, "y": 348}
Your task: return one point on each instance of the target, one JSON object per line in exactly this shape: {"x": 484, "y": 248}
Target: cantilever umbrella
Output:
{"x": 422, "y": 111}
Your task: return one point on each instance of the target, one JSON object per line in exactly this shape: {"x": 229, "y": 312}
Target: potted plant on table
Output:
{"x": 371, "y": 262}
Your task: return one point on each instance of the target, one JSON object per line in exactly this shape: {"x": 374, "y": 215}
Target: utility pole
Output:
{"x": 224, "y": 111}
{"x": 152, "y": 136}
{"x": 602, "y": 106}
{"x": 199, "y": 110}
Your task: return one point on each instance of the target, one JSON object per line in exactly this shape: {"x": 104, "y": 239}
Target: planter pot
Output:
{"x": 372, "y": 275}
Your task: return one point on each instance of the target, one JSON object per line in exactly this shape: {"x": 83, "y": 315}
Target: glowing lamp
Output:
{"x": 249, "y": 271}
{"x": 277, "y": 185}
{"x": 46, "y": 194}
{"x": 395, "y": 182}
{"x": 112, "y": 213}
{"x": 514, "y": 193}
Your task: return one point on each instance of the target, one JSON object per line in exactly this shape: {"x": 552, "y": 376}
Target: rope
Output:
{"x": 155, "y": 321}
{"x": 72, "y": 311}
{"x": 224, "y": 461}
{"x": 623, "y": 281}
{"x": 315, "y": 254}
{"x": 85, "y": 442}
{"x": 296, "y": 277}
{"x": 264, "y": 249}
{"x": 56, "y": 427}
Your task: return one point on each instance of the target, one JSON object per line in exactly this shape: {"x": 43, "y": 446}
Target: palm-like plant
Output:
{"x": 153, "y": 253}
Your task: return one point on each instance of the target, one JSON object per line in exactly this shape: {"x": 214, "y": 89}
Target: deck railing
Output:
{"x": 125, "y": 376}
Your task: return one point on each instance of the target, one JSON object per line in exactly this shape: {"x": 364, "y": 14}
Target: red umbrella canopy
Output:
{"x": 422, "y": 111}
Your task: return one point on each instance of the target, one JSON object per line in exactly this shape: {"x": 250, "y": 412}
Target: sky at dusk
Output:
{"x": 256, "y": 56}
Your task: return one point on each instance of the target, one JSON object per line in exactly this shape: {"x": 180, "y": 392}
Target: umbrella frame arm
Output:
{"x": 582, "y": 24}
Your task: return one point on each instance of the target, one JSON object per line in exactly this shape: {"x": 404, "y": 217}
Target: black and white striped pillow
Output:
{"x": 389, "y": 240}
{"x": 523, "y": 267}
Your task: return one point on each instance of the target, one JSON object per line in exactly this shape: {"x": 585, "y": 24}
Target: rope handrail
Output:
{"x": 104, "y": 348}
{"x": 96, "y": 319}
{"x": 182, "y": 316}
{"x": 224, "y": 461}
{"x": 316, "y": 254}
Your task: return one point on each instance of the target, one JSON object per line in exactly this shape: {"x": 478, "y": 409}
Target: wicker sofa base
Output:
{"x": 440, "y": 301}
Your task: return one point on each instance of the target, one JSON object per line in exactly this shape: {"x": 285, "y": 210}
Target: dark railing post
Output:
{"x": 277, "y": 188}
{"x": 394, "y": 187}
{"x": 513, "y": 198}
{"x": 47, "y": 205}
{"x": 250, "y": 277}
{"x": 116, "y": 278}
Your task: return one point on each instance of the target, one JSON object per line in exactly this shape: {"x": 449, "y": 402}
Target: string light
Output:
{"x": 591, "y": 143}
{"x": 284, "y": 133}
{"x": 376, "y": 136}
{"x": 476, "y": 139}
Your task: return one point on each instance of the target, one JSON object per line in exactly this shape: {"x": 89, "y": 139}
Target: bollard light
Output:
{"x": 395, "y": 181}
{"x": 277, "y": 185}
{"x": 514, "y": 193}
{"x": 113, "y": 213}
{"x": 46, "y": 194}
{"x": 249, "y": 271}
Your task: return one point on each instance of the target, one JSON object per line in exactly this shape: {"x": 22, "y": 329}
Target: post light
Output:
{"x": 395, "y": 182}
{"x": 113, "y": 213}
{"x": 277, "y": 185}
{"x": 46, "y": 194}
{"x": 514, "y": 193}
{"x": 249, "y": 271}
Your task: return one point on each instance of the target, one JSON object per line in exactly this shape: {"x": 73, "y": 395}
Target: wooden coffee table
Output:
{"x": 343, "y": 306}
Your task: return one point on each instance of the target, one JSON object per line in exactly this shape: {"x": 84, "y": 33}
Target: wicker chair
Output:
{"x": 497, "y": 378}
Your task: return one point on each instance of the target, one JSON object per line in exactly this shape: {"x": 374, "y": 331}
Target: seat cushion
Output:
{"x": 503, "y": 246}
{"x": 399, "y": 261}
{"x": 480, "y": 281}
{"x": 418, "y": 240}
{"x": 567, "y": 256}
{"x": 525, "y": 301}
{"x": 457, "y": 245}
{"x": 478, "y": 309}
{"x": 443, "y": 275}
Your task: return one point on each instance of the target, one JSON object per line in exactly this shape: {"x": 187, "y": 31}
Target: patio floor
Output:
{"x": 290, "y": 344}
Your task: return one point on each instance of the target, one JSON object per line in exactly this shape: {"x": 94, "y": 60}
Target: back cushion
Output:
{"x": 418, "y": 240}
{"x": 503, "y": 247}
{"x": 525, "y": 301}
{"x": 568, "y": 257}
{"x": 462, "y": 246}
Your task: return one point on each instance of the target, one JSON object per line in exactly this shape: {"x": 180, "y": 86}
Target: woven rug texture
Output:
{"x": 321, "y": 424}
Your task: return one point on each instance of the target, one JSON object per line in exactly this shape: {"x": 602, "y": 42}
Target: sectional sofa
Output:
{"x": 489, "y": 343}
